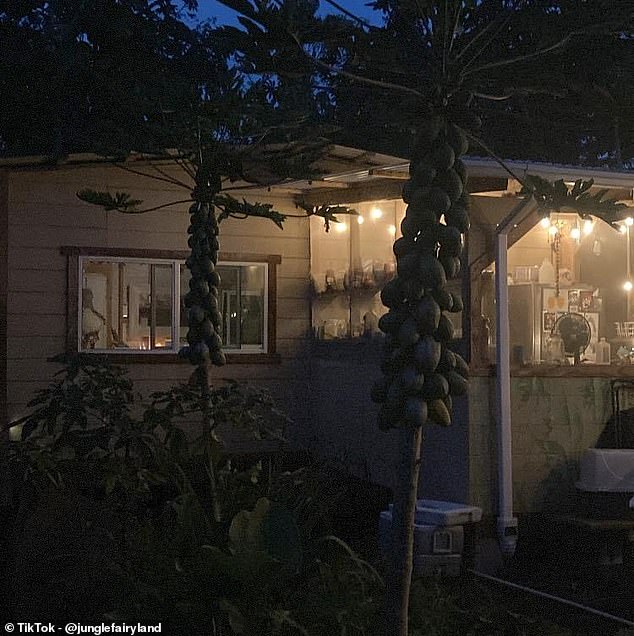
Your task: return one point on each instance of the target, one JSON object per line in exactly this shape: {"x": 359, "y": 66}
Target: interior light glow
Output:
{"x": 623, "y": 229}
{"x": 376, "y": 213}
{"x": 391, "y": 230}
{"x": 340, "y": 227}
{"x": 575, "y": 233}
{"x": 629, "y": 221}
{"x": 360, "y": 220}
{"x": 552, "y": 230}
{"x": 627, "y": 285}
{"x": 587, "y": 227}
{"x": 545, "y": 222}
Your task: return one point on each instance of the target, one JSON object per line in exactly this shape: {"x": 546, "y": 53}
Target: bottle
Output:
{"x": 603, "y": 351}
{"x": 546, "y": 272}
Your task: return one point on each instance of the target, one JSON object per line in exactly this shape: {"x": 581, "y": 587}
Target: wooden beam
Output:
{"x": 371, "y": 190}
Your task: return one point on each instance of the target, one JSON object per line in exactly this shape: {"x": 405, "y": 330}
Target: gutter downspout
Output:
{"x": 506, "y": 522}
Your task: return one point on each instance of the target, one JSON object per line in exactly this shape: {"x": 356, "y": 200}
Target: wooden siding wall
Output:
{"x": 44, "y": 214}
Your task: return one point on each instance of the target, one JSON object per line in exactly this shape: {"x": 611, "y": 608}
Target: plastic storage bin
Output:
{"x": 445, "y": 513}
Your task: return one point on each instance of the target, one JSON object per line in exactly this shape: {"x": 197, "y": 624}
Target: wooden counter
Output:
{"x": 614, "y": 371}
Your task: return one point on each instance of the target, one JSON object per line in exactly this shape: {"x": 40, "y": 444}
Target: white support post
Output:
{"x": 506, "y": 522}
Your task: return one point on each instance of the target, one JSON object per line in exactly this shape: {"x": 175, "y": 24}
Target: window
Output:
{"x": 130, "y": 302}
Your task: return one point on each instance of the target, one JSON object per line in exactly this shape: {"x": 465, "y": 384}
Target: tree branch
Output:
{"x": 153, "y": 209}
{"x": 149, "y": 176}
{"x": 351, "y": 15}
{"x": 491, "y": 154}
{"x": 356, "y": 78}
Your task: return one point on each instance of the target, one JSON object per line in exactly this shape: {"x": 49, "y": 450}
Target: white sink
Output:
{"x": 607, "y": 470}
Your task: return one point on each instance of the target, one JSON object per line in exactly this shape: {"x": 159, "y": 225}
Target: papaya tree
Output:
{"x": 419, "y": 80}
{"x": 214, "y": 130}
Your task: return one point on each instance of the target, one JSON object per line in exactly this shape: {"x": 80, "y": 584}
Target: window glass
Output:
{"x": 242, "y": 300}
{"x": 126, "y": 305}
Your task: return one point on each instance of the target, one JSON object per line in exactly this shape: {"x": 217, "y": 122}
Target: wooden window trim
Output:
{"x": 72, "y": 302}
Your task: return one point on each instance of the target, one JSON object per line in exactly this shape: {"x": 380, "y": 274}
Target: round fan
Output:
{"x": 575, "y": 333}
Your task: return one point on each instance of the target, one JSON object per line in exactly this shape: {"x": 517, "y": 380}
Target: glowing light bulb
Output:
{"x": 340, "y": 227}
{"x": 376, "y": 213}
{"x": 587, "y": 227}
{"x": 552, "y": 230}
{"x": 391, "y": 230}
{"x": 629, "y": 221}
{"x": 623, "y": 229}
{"x": 627, "y": 285}
{"x": 545, "y": 222}
{"x": 360, "y": 220}
{"x": 575, "y": 233}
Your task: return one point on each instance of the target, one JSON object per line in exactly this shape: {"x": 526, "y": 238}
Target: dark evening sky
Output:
{"x": 212, "y": 9}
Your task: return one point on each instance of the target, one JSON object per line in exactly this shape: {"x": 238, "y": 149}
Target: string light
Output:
{"x": 340, "y": 227}
{"x": 360, "y": 220}
{"x": 545, "y": 222}
{"x": 623, "y": 229}
{"x": 629, "y": 221}
{"x": 391, "y": 230}
{"x": 588, "y": 225}
{"x": 553, "y": 230}
{"x": 627, "y": 285}
{"x": 575, "y": 233}
{"x": 376, "y": 213}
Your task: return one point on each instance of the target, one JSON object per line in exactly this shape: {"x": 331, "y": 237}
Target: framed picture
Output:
{"x": 548, "y": 321}
{"x": 573, "y": 299}
{"x": 585, "y": 301}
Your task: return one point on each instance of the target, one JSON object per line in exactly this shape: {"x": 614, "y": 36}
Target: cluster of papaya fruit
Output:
{"x": 203, "y": 311}
{"x": 420, "y": 372}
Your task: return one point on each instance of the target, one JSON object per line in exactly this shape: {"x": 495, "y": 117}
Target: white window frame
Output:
{"x": 175, "y": 328}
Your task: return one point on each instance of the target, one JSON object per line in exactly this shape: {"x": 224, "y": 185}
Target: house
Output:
{"x": 300, "y": 308}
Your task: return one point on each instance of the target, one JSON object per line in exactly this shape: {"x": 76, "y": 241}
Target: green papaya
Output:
{"x": 461, "y": 366}
{"x": 457, "y": 140}
{"x": 450, "y": 240}
{"x": 415, "y": 411}
{"x": 457, "y": 305}
{"x": 443, "y": 297}
{"x": 450, "y": 182}
{"x": 458, "y": 217}
{"x": 427, "y": 354}
{"x": 461, "y": 170}
{"x": 431, "y": 273}
{"x": 391, "y": 321}
{"x": 408, "y": 333}
{"x": 443, "y": 156}
{"x": 408, "y": 190}
{"x": 421, "y": 173}
{"x": 403, "y": 246}
{"x": 206, "y": 329}
{"x": 413, "y": 290}
{"x": 218, "y": 358}
{"x": 444, "y": 333}
{"x": 392, "y": 293}
{"x": 427, "y": 315}
{"x": 451, "y": 265}
{"x": 435, "y": 387}
{"x": 457, "y": 384}
{"x": 422, "y": 213}
{"x": 438, "y": 413}
{"x": 447, "y": 361}
{"x": 408, "y": 265}
{"x": 448, "y": 404}
{"x": 410, "y": 226}
{"x": 411, "y": 380}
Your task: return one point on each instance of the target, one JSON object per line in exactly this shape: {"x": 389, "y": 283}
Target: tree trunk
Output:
{"x": 207, "y": 422}
{"x": 399, "y": 578}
